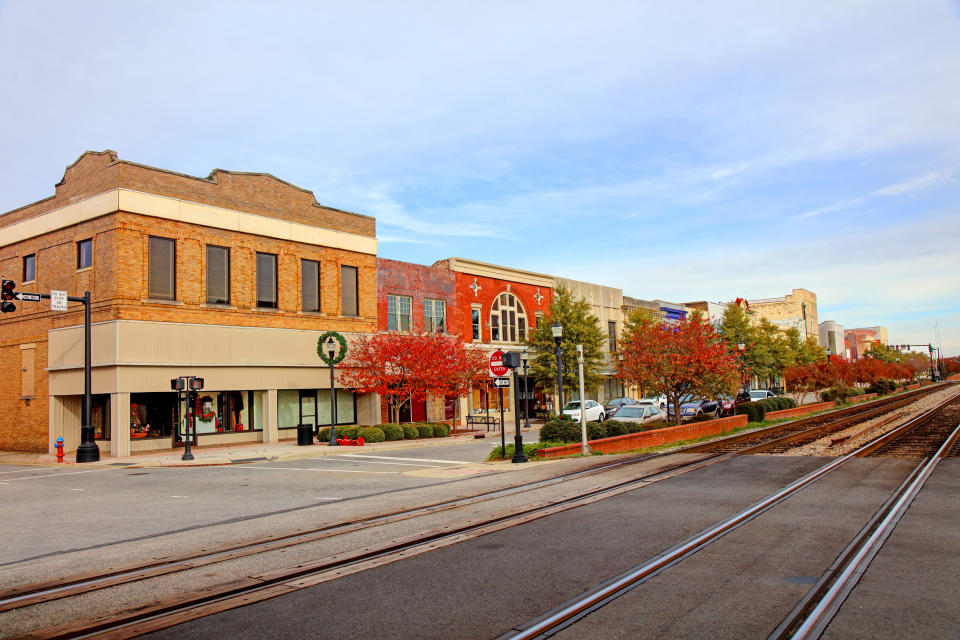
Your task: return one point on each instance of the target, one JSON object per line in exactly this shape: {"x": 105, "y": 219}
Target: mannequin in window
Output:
{"x": 236, "y": 407}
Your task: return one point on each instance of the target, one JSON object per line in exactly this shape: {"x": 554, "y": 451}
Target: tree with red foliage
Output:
{"x": 676, "y": 360}
{"x": 805, "y": 378}
{"x": 401, "y": 366}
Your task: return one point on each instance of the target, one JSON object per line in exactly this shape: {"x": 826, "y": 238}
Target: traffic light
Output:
{"x": 7, "y": 294}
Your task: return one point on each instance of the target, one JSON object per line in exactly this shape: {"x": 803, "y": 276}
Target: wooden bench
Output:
{"x": 484, "y": 420}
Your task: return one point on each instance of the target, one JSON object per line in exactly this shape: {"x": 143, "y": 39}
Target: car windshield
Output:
{"x": 630, "y": 412}
{"x": 574, "y": 404}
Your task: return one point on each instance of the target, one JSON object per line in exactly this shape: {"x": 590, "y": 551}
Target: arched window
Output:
{"x": 508, "y": 320}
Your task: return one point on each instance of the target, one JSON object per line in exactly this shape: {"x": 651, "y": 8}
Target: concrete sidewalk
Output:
{"x": 247, "y": 452}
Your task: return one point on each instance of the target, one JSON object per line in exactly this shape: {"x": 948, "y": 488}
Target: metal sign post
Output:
{"x": 503, "y": 428}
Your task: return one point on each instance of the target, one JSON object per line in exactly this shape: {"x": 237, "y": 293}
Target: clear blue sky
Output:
{"x": 681, "y": 150}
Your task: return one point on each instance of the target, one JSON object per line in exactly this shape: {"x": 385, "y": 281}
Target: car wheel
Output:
{"x": 601, "y": 418}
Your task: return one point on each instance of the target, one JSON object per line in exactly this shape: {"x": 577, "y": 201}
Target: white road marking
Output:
{"x": 384, "y": 473}
{"x": 354, "y": 455}
{"x": 328, "y": 498}
{"x": 179, "y": 496}
{"x": 76, "y": 489}
{"x": 55, "y": 475}
{"x": 392, "y": 464}
{"x": 19, "y": 471}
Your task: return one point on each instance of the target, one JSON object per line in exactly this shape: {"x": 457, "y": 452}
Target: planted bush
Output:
{"x": 440, "y": 429}
{"x": 618, "y": 428}
{"x": 410, "y": 432}
{"x": 323, "y": 435}
{"x": 371, "y": 434}
{"x": 595, "y": 431}
{"x": 425, "y": 430}
{"x": 348, "y": 432}
{"x": 754, "y": 411}
{"x": 392, "y": 431}
{"x": 560, "y": 429}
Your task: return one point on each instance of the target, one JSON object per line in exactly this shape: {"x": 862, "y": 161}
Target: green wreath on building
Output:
{"x": 321, "y": 346}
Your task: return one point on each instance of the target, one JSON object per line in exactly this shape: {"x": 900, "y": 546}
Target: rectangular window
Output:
{"x": 494, "y": 326}
{"x": 434, "y": 315}
{"x": 475, "y": 322}
{"x": 218, "y": 275}
{"x": 349, "y": 303}
{"x": 538, "y": 318}
{"x": 85, "y": 253}
{"x": 161, "y": 268}
{"x": 612, "y": 335}
{"x": 310, "y": 285}
{"x": 29, "y": 268}
{"x": 398, "y": 313}
{"x": 267, "y": 280}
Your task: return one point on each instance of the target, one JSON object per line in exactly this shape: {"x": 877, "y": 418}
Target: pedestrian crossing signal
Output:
{"x": 8, "y": 293}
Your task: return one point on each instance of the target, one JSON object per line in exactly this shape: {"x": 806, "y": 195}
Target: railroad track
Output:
{"x": 161, "y": 614}
{"x": 820, "y": 604}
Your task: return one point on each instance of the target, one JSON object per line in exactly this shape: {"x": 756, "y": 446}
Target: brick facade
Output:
{"x": 419, "y": 282}
{"x": 118, "y": 277}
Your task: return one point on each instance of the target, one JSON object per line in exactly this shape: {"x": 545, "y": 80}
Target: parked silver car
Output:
{"x": 641, "y": 413}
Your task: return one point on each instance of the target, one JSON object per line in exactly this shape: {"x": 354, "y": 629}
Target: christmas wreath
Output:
{"x": 322, "y": 345}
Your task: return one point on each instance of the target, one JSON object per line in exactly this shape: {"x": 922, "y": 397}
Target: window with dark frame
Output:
{"x": 218, "y": 275}
{"x": 29, "y": 267}
{"x": 310, "y": 285}
{"x": 612, "y": 335}
{"x": 85, "y": 253}
{"x": 349, "y": 303}
{"x": 475, "y": 322}
{"x": 267, "y": 280}
{"x": 161, "y": 268}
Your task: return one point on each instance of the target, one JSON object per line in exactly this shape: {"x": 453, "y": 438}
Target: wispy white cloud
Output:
{"x": 916, "y": 184}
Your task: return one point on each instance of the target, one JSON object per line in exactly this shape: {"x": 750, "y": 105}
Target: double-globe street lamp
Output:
{"x": 557, "y": 332}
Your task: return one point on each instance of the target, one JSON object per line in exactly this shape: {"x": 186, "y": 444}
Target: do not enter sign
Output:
{"x": 497, "y": 369}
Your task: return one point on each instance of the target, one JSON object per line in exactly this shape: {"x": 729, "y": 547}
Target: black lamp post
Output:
{"x": 557, "y": 332}
{"x": 332, "y": 352}
{"x": 526, "y": 390}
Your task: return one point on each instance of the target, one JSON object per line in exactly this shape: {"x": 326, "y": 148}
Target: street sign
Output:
{"x": 58, "y": 300}
{"x": 32, "y": 297}
{"x": 501, "y": 383}
{"x": 496, "y": 365}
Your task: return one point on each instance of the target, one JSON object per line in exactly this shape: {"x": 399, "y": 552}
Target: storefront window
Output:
{"x": 288, "y": 408}
{"x": 152, "y": 415}
{"x": 492, "y": 397}
{"x": 100, "y": 416}
{"x": 346, "y": 407}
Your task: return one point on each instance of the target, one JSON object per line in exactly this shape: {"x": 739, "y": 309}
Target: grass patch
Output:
{"x": 529, "y": 450}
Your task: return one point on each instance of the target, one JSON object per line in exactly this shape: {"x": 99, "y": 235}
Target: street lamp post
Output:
{"x": 526, "y": 389}
{"x": 332, "y": 352}
{"x": 557, "y": 332}
{"x": 741, "y": 346}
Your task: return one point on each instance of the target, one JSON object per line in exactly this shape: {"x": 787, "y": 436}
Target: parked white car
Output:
{"x": 594, "y": 410}
{"x": 761, "y": 394}
{"x": 660, "y": 401}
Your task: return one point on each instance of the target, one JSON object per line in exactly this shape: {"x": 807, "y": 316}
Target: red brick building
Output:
{"x": 414, "y": 297}
{"x": 496, "y": 308}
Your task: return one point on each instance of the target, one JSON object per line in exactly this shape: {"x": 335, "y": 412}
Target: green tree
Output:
{"x": 804, "y": 351}
{"x": 883, "y": 353}
{"x": 579, "y": 327}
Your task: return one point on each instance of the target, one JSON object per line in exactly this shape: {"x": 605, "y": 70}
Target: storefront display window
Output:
{"x": 100, "y": 416}
{"x": 346, "y": 407}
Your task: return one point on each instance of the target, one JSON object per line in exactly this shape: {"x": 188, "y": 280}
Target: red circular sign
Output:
{"x": 496, "y": 364}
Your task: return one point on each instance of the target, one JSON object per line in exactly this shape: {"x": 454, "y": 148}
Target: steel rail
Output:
{"x": 595, "y": 598}
{"x": 824, "y": 611}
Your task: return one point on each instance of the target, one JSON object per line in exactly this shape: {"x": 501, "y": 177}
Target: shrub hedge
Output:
{"x": 755, "y": 411}
{"x": 882, "y": 387}
{"x": 371, "y": 434}
{"x": 425, "y": 429}
{"x": 392, "y": 431}
{"x": 410, "y": 432}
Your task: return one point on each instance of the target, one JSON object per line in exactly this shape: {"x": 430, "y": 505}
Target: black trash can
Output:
{"x": 304, "y": 434}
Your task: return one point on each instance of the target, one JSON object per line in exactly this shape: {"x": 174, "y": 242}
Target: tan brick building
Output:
{"x": 796, "y": 309}
{"x": 231, "y": 277}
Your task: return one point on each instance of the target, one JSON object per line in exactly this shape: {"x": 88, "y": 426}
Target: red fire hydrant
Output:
{"x": 59, "y": 446}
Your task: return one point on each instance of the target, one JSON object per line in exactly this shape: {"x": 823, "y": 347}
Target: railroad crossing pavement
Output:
{"x": 259, "y": 452}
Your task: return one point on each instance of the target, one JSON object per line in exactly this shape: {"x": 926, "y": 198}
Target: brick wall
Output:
{"x": 655, "y": 438}
{"x": 419, "y": 282}
{"x": 487, "y": 290}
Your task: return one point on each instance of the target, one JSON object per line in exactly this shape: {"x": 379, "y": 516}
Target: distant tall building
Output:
{"x": 797, "y": 309}
{"x": 859, "y": 341}
{"x": 832, "y": 337}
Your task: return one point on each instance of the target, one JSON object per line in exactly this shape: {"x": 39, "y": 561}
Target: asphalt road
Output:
{"x": 49, "y": 510}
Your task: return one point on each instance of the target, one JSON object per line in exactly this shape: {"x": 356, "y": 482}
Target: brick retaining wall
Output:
{"x": 646, "y": 439}
{"x": 799, "y": 411}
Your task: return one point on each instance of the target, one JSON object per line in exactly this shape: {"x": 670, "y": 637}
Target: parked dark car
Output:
{"x": 613, "y": 405}
{"x": 728, "y": 405}
{"x": 691, "y": 408}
